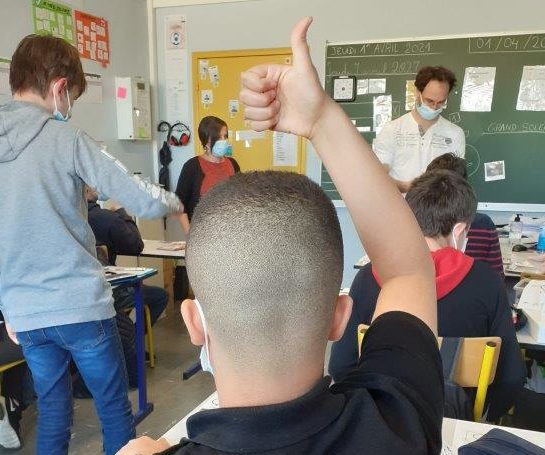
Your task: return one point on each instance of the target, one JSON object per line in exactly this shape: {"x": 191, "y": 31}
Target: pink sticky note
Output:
{"x": 121, "y": 92}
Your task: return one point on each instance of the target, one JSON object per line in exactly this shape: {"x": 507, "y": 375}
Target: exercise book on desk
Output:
{"x": 118, "y": 275}
{"x": 467, "y": 432}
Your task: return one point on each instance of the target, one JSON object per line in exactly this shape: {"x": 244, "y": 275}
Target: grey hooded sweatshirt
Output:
{"x": 49, "y": 274}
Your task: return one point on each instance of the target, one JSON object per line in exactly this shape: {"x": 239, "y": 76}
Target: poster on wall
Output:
{"x": 51, "y": 18}
{"x": 92, "y": 37}
{"x": 175, "y": 32}
{"x": 4, "y": 77}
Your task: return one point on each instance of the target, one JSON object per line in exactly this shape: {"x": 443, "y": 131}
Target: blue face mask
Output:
{"x": 426, "y": 112}
{"x": 57, "y": 115}
{"x": 222, "y": 148}
{"x": 205, "y": 352}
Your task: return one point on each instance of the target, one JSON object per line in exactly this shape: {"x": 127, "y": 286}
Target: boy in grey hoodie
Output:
{"x": 53, "y": 292}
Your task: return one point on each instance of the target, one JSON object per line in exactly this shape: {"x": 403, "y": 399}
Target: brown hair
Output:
{"x": 39, "y": 60}
{"x": 210, "y": 129}
{"x": 434, "y": 73}
{"x": 449, "y": 162}
{"x": 439, "y": 199}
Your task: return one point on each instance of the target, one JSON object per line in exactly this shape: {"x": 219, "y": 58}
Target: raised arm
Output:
{"x": 290, "y": 98}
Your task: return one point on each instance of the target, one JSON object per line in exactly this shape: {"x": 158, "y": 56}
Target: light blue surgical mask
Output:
{"x": 426, "y": 112}
{"x": 57, "y": 115}
{"x": 222, "y": 148}
{"x": 205, "y": 352}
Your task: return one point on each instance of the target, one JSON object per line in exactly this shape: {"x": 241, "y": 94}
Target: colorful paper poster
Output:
{"x": 51, "y": 18}
{"x": 92, "y": 37}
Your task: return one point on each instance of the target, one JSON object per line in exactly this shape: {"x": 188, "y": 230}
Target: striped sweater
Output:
{"x": 483, "y": 243}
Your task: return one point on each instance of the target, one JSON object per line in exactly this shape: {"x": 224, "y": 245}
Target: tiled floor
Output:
{"x": 172, "y": 397}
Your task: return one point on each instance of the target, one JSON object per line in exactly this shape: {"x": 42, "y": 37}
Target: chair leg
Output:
{"x": 149, "y": 337}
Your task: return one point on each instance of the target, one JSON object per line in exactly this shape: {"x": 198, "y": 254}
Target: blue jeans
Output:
{"x": 96, "y": 350}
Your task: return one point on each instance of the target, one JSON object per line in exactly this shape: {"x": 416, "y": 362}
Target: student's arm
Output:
{"x": 184, "y": 222}
{"x": 108, "y": 176}
{"x": 124, "y": 235}
{"x": 290, "y": 99}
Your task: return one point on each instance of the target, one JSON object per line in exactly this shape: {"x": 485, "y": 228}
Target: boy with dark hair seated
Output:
{"x": 265, "y": 259}
{"x": 472, "y": 300}
{"x": 483, "y": 243}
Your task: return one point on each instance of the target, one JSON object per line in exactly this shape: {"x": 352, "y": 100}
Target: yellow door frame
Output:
{"x": 196, "y": 56}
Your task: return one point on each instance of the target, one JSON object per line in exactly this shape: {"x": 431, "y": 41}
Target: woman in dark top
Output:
{"x": 202, "y": 172}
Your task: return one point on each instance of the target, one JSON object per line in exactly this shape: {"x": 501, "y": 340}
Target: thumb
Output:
{"x": 299, "y": 45}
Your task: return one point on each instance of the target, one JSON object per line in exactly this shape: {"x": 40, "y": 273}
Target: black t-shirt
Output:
{"x": 392, "y": 404}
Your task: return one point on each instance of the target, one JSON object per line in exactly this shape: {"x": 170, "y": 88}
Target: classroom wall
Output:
{"x": 267, "y": 23}
{"x": 129, "y": 57}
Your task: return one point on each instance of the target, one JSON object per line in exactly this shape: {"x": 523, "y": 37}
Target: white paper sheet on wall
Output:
{"x": 93, "y": 94}
{"x": 4, "y": 77}
{"x": 176, "y": 58}
{"x": 284, "y": 149}
{"x": 382, "y": 111}
{"x": 532, "y": 89}
{"x": 478, "y": 89}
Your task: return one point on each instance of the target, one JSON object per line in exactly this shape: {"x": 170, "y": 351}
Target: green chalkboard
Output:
{"x": 504, "y": 133}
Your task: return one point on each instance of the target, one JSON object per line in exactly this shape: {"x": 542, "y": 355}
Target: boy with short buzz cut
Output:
{"x": 472, "y": 301}
{"x": 53, "y": 292}
{"x": 265, "y": 260}
{"x": 483, "y": 243}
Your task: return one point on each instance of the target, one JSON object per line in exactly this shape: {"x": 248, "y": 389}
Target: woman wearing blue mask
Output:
{"x": 202, "y": 172}
{"x": 406, "y": 145}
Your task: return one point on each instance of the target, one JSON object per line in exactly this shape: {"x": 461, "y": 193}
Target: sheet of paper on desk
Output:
{"x": 467, "y": 432}
{"x": 171, "y": 246}
{"x": 532, "y": 295}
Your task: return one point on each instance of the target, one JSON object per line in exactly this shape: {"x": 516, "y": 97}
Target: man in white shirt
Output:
{"x": 405, "y": 146}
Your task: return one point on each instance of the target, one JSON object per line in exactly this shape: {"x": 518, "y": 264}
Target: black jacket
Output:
{"x": 117, "y": 230}
{"x": 477, "y": 306}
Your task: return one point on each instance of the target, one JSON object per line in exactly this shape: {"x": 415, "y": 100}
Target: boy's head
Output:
{"x": 265, "y": 260}
{"x": 449, "y": 162}
{"x": 444, "y": 205}
{"x": 48, "y": 68}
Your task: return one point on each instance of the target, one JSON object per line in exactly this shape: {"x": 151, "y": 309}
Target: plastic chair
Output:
{"x": 476, "y": 365}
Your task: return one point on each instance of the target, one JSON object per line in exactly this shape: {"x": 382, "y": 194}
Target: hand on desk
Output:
{"x": 144, "y": 445}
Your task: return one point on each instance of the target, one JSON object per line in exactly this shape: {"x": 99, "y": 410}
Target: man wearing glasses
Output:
{"x": 406, "y": 145}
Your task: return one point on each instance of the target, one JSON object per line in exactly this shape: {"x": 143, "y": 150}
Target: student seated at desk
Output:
{"x": 483, "y": 243}
{"x": 265, "y": 260}
{"x": 472, "y": 301}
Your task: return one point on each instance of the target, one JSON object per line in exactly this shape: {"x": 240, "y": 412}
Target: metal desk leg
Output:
{"x": 144, "y": 408}
{"x": 192, "y": 370}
